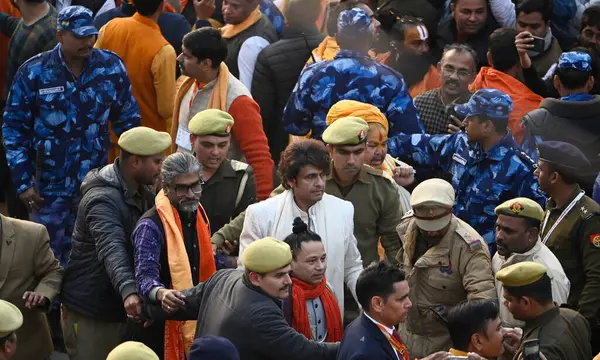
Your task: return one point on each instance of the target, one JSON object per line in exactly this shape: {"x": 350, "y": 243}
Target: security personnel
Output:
{"x": 571, "y": 227}
{"x": 562, "y": 333}
{"x": 446, "y": 262}
{"x": 132, "y": 350}
{"x": 230, "y": 185}
{"x": 11, "y": 320}
{"x": 485, "y": 162}
{"x": 518, "y": 238}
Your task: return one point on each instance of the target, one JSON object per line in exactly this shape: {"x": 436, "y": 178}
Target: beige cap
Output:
{"x": 521, "y": 274}
{"x": 11, "y": 318}
{"x": 432, "y": 202}
{"x": 144, "y": 141}
{"x": 132, "y": 350}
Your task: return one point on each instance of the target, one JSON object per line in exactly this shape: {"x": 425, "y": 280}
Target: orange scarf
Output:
{"x": 524, "y": 100}
{"x": 396, "y": 343}
{"x": 228, "y": 31}
{"x": 179, "y": 335}
{"x": 430, "y": 81}
{"x": 217, "y": 100}
{"x": 301, "y": 292}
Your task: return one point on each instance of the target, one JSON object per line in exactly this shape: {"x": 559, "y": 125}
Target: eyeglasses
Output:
{"x": 449, "y": 70}
{"x": 196, "y": 188}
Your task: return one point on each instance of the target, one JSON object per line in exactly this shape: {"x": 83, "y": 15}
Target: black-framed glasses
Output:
{"x": 196, "y": 188}
{"x": 449, "y": 70}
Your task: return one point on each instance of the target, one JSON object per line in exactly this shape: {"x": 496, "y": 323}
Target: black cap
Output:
{"x": 562, "y": 154}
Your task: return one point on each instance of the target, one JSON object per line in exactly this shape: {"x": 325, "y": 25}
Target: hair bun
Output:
{"x": 299, "y": 226}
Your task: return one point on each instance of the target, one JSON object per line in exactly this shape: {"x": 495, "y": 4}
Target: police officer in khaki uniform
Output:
{"x": 230, "y": 185}
{"x": 571, "y": 228}
{"x": 562, "y": 333}
{"x": 446, "y": 262}
{"x": 11, "y": 320}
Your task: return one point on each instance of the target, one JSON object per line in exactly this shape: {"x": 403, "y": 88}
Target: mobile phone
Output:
{"x": 538, "y": 44}
{"x": 531, "y": 349}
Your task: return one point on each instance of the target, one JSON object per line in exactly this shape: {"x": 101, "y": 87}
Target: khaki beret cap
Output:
{"x": 11, "y": 318}
{"x": 521, "y": 274}
{"x": 346, "y": 131}
{"x": 132, "y": 350}
{"x": 521, "y": 207}
{"x": 266, "y": 255}
{"x": 144, "y": 141}
{"x": 211, "y": 122}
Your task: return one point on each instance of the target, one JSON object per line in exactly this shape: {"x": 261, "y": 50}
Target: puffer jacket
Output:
{"x": 275, "y": 75}
{"x": 100, "y": 274}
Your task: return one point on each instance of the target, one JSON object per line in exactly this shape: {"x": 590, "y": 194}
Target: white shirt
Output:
{"x": 247, "y": 58}
{"x": 389, "y": 330}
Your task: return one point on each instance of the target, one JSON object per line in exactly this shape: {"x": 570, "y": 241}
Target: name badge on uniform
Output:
{"x": 183, "y": 139}
{"x": 459, "y": 159}
{"x": 53, "y": 90}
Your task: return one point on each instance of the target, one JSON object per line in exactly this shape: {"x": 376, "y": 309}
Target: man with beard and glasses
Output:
{"x": 503, "y": 74}
{"x": 485, "y": 163}
{"x": 446, "y": 262}
{"x": 303, "y": 170}
{"x": 457, "y": 70}
{"x": 230, "y": 185}
{"x": 173, "y": 249}
{"x": 99, "y": 290}
{"x": 410, "y": 55}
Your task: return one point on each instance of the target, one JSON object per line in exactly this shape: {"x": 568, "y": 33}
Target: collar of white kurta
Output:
{"x": 519, "y": 257}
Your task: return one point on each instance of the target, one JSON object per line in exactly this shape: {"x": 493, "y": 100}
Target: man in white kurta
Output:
{"x": 303, "y": 170}
{"x": 517, "y": 237}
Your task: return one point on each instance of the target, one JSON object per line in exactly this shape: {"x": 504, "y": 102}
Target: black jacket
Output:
{"x": 275, "y": 75}
{"x": 100, "y": 274}
{"x": 94, "y": 5}
{"x": 575, "y": 122}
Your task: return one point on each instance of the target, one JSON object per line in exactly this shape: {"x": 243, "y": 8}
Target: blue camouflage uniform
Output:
{"x": 349, "y": 76}
{"x": 272, "y": 12}
{"x": 482, "y": 180}
{"x": 62, "y": 121}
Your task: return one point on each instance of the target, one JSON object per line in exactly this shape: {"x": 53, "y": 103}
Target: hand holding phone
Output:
{"x": 531, "y": 349}
{"x": 538, "y": 44}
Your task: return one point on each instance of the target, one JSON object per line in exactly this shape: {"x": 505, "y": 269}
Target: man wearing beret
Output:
{"x": 485, "y": 163}
{"x": 562, "y": 333}
{"x": 518, "y": 238}
{"x": 571, "y": 227}
{"x": 212, "y": 347}
{"x": 173, "y": 249}
{"x": 245, "y": 307}
{"x": 132, "y": 350}
{"x": 230, "y": 185}
{"x": 99, "y": 291}
{"x": 572, "y": 118}
{"x": 11, "y": 320}
{"x": 446, "y": 262}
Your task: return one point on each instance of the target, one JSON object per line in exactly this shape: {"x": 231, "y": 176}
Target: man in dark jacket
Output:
{"x": 279, "y": 65}
{"x": 245, "y": 307}
{"x": 99, "y": 289}
{"x": 572, "y": 118}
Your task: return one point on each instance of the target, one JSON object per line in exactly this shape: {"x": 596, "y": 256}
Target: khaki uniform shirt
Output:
{"x": 377, "y": 212}
{"x": 576, "y": 243}
{"x": 562, "y": 333}
{"x": 457, "y": 269}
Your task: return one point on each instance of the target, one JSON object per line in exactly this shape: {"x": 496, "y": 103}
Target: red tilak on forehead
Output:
{"x": 380, "y": 135}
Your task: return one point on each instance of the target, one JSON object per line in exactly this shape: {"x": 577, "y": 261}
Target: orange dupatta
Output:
{"x": 179, "y": 335}
{"x": 228, "y": 31}
{"x": 396, "y": 343}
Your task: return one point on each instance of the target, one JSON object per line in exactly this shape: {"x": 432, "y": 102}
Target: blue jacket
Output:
{"x": 349, "y": 76}
{"x": 364, "y": 341}
{"x": 172, "y": 26}
{"x": 63, "y": 121}
{"x": 481, "y": 180}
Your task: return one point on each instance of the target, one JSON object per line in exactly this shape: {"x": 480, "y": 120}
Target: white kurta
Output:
{"x": 539, "y": 254}
{"x": 331, "y": 218}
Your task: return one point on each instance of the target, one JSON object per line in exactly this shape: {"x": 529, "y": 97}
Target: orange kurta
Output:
{"x": 430, "y": 81}
{"x": 524, "y": 100}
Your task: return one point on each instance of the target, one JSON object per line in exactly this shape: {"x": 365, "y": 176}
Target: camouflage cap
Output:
{"x": 521, "y": 207}
{"x": 353, "y": 23}
{"x": 563, "y": 155}
{"x": 78, "y": 20}
{"x": 577, "y": 60}
{"x": 521, "y": 274}
{"x": 144, "y": 141}
{"x": 211, "y": 122}
{"x": 489, "y": 102}
{"x": 346, "y": 131}
{"x": 11, "y": 318}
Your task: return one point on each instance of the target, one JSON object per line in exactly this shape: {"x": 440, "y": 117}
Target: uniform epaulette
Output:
{"x": 585, "y": 212}
{"x": 526, "y": 158}
{"x": 238, "y": 165}
{"x": 473, "y": 241}
{"x": 377, "y": 172}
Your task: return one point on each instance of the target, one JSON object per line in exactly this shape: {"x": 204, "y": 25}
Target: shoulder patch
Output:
{"x": 238, "y": 165}
{"x": 474, "y": 242}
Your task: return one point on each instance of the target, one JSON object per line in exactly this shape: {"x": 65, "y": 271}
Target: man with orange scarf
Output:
{"x": 207, "y": 83}
{"x": 503, "y": 75}
{"x": 173, "y": 250}
{"x": 313, "y": 310}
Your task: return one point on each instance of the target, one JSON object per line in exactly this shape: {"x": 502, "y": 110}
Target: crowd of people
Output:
{"x": 300, "y": 179}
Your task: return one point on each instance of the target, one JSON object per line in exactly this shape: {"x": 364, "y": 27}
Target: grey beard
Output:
{"x": 188, "y": 208}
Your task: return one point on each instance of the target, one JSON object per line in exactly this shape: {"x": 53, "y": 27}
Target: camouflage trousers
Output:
{"x": 58, "y": 214}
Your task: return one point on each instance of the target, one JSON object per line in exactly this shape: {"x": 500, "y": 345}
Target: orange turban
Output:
{"x": 367, "y": 112}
